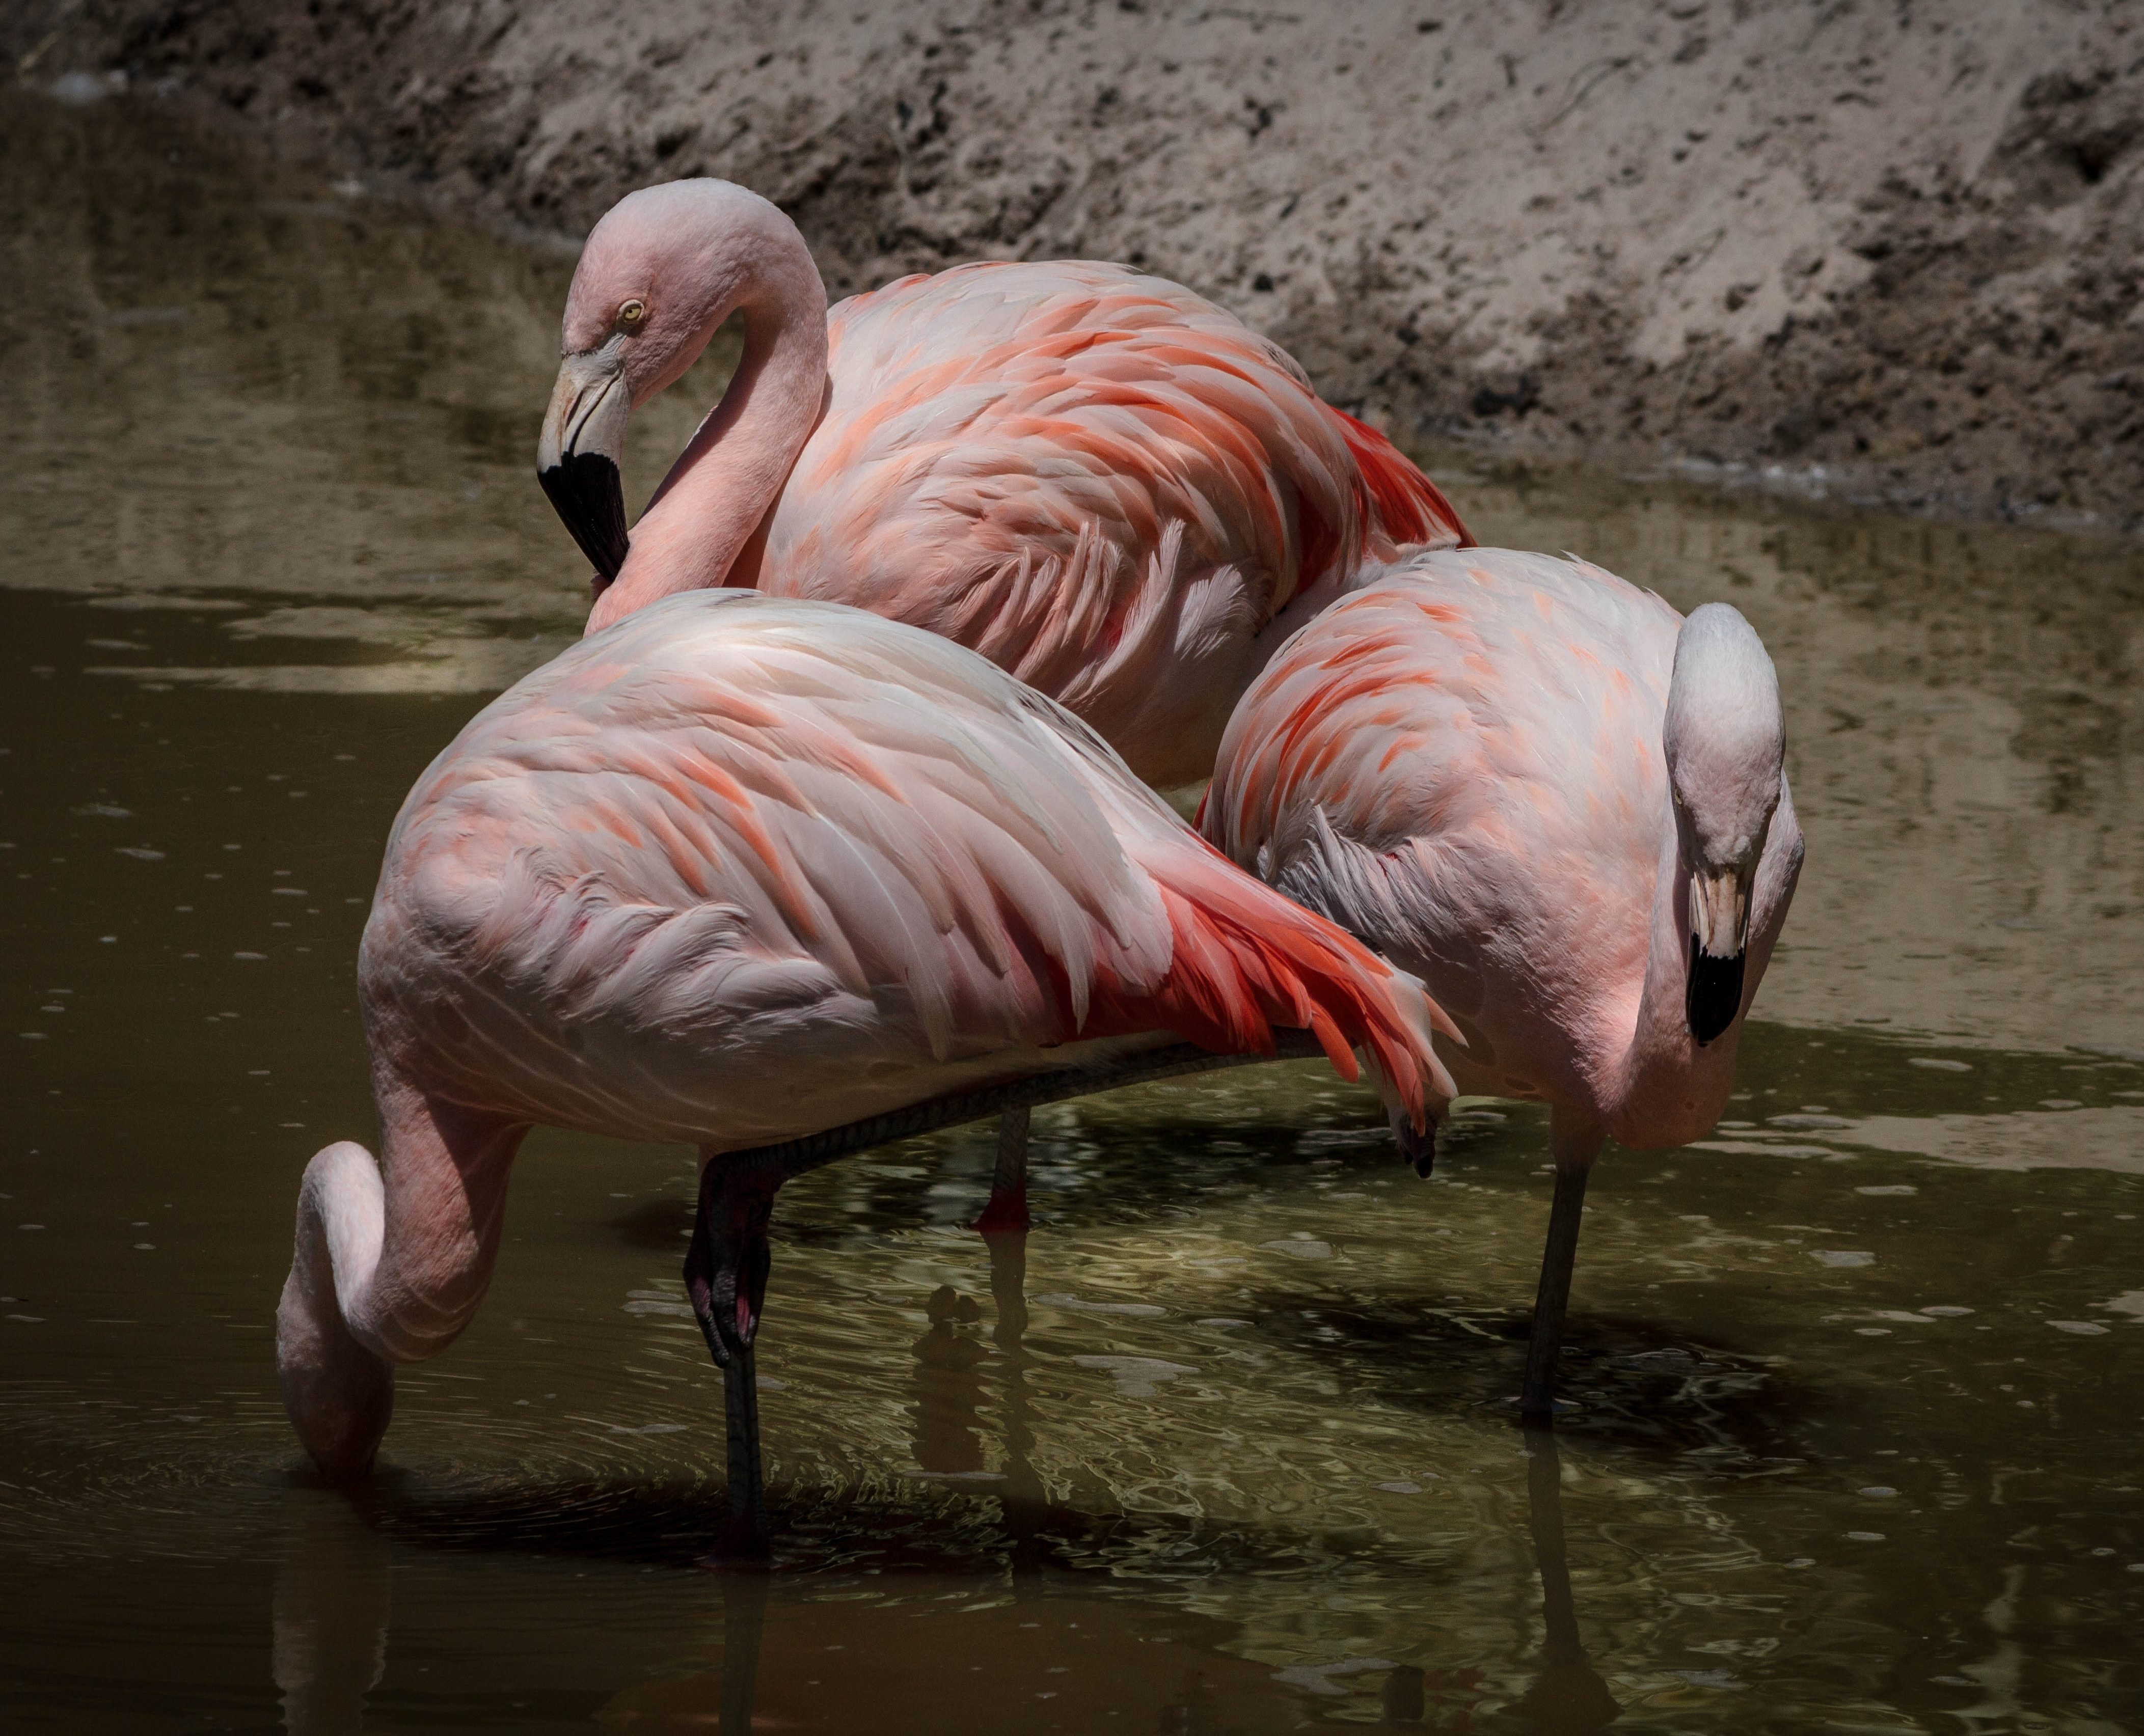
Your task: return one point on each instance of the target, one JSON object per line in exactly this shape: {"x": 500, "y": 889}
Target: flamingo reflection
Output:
{"x": 329, "y": 1622}
{"x": 926, "y": 1658}
{"x": 1568, "y": 1697}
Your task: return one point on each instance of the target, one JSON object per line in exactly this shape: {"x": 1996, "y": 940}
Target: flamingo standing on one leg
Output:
{"x": 739, "y": 870}
{"x": 1564, "y": 807}
{"x": 1106, "y": 484}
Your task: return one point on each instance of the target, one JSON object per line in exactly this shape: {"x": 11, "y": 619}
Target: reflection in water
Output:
{"x": 321, "y": 409}
{"x": 1856, "y": 1377}
{"x": 331, "y": 1613}
{"x": 809, "y": 1652}
{"x": 949, "y": 1388}
{"x": 744, "y": 1625}
{"x": 1029, "y": 1517}
{"x": 1568, "y": 1697}
{"x": 924, "y": 1665}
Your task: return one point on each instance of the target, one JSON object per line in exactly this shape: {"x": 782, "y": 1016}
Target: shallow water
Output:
{"x": 1855, "y": 1380}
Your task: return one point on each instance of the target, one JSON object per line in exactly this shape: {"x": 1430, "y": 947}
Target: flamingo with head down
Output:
{"x": 1106, "y": 484}
{"x": 780, "y": 879}
{"x": 1563, "y": 806}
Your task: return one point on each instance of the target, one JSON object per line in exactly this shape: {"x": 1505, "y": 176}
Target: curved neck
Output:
{"x": 1666, "y": 1090}
{"x": 711, "y": 506}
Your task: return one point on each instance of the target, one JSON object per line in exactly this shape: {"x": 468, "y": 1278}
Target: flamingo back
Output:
{"x": 739, "y": 868}
{"x": 1106, "y": 484}
{"x": 1461, "y": 764}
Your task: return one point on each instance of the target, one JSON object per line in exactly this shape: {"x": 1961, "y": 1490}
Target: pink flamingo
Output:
{"x": 1105, "y": 483}
{"x": 740, "y": 871}
{"x": 1561, "y": 805}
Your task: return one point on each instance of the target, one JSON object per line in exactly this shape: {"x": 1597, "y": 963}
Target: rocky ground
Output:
{"x": 1892, "y": 248}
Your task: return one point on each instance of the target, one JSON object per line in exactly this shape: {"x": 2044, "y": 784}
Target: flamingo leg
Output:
{"x": 1009, "y": 1291}
{"x": 746, "y": 1533}
{"x": 727, "y": 1265}
{"x": 1537, "y": 1398}
{"x": 1006, "y": 1213}
{"x": 726, "y": 1272}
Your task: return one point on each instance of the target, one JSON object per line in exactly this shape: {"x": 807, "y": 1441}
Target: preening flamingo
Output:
{"x": 739, "y": 871}
{"x": 1561, "y": 805}
{"x": 1106, "y": 484}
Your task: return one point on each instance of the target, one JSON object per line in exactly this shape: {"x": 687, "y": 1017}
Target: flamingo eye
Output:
{"x": 630, "y": 314}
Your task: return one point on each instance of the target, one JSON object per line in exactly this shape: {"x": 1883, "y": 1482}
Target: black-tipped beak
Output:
{"x": 1714, "y": 996}
{"x": 1719, "y": 936}
{"x": 578, "y": 452}
{"x": 588, "y": 495}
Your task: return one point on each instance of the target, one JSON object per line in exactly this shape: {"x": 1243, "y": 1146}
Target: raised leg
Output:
{"x": 391, "y": 1259}
{"x": 725, "y": 1271}
{"x": 1007, "y": 1212}
{"x": 1537, "y": 1399}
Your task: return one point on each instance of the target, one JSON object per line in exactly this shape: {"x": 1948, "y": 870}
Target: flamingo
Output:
{"x": 1109, "y": 486}
{"x": 781, "y": 878}
{"x": 1563, "y": 806}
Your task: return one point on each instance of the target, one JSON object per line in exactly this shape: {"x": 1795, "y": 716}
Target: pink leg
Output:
{"x": 391, "y": 1260}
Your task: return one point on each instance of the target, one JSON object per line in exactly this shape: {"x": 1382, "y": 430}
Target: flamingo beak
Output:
{"x": 577, "y": 454}
{"x": 1718, "y": 943}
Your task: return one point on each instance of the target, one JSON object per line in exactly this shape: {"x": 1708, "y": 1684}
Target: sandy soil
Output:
{"x": 1892, "y": 249}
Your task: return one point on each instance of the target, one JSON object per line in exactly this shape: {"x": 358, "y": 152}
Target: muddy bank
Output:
{"x": 1879, "y": 246}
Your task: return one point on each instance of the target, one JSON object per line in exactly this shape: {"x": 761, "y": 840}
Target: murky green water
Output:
{"x": 1858, "y": 1379}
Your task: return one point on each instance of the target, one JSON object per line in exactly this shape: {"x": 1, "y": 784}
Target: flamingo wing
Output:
{"x": 1105, "y": 483}
{"x": 740, "y": 868}
{"x": 1460, "y": 764}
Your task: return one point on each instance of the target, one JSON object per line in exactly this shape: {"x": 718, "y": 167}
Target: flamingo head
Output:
{"x": 663, "y": 270}
{"x": 1726, "y": 744}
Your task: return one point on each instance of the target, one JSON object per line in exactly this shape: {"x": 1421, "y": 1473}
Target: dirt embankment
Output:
{"x": 1888, "y": 239}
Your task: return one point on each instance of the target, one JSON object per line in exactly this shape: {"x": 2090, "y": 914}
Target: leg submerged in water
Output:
{"x": 1574, "y": 1144}
{"x": 1537, "y": 1398}
{"x": 1006, "y": 1213}
{"x": 726, "y": 1272}
{"x": 726, "y": 1268}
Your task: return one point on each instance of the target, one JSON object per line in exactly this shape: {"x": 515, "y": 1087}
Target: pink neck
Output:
{"x": 726, "y": 480}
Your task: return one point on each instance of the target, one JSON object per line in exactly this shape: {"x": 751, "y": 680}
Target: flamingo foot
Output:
{"x": 726, "y": 1272}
